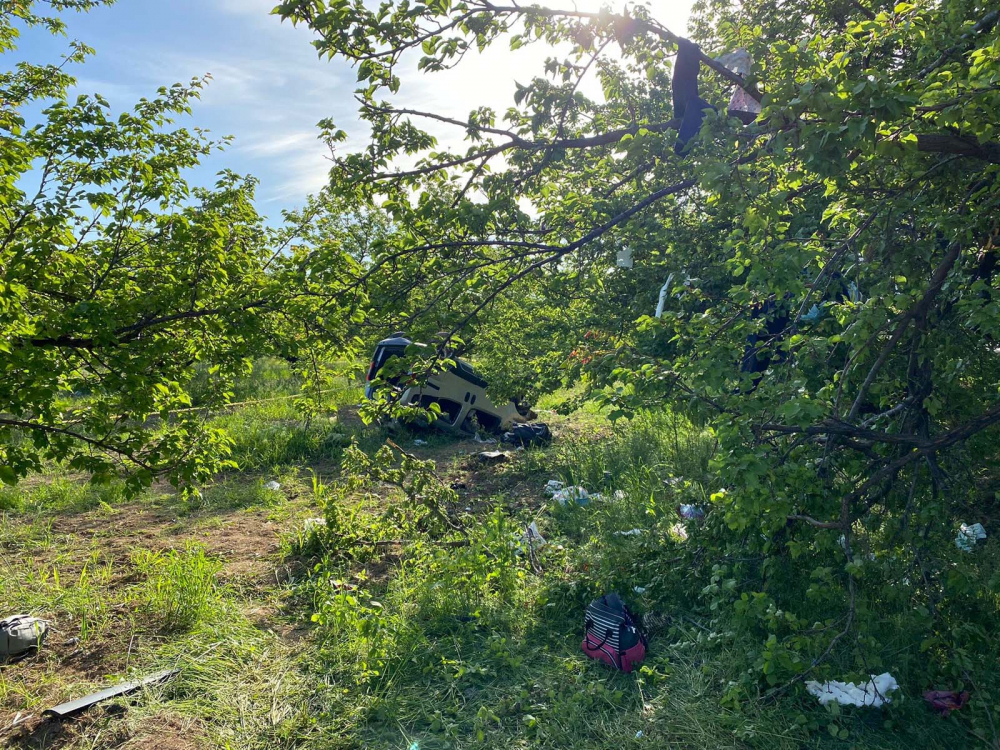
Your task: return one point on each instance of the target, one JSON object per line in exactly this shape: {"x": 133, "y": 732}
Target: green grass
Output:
{"x": 418, "y": 645}
{"x": 180, "y": 588}
{"x": 59, "y": 495}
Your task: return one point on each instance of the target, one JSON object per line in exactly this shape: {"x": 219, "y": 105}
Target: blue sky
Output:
{"x": 269, "y": 88}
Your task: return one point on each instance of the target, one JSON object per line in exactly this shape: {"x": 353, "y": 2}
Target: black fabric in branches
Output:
{"x": 688, "y": 106}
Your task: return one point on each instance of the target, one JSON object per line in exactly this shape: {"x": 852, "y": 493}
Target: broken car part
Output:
{"x": 66, "y": 710}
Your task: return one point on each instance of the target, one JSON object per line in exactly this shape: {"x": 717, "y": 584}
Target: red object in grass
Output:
{"x": 946, "y": 701}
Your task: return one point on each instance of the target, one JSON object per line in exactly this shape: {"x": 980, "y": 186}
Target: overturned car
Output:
{"x": 459, "y": 392}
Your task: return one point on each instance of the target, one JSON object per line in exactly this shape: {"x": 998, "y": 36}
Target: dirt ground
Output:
{"x": 247, "y": 541}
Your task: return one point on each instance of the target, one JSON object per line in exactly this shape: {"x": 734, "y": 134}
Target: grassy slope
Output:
{"x": 418, "y": 647}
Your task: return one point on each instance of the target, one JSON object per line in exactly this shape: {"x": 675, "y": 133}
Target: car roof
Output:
{"x": 395, "y": 341}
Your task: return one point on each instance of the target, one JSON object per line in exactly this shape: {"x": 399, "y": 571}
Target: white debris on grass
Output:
{"x": 639, "y": 589}
{"x": 272, "y": 485}
{"x": 692, "y": 512}
{"x": 562, "y": 494}
{"x": 532, "y": 537}
{"x": 484, "y": 441}
{"x": 577, "y": 495}
{"x": 418, "y": 442}
{"x": 530, "y": 541}
{"x": 313, "y": 524}
{"x": 680, "y": 531}
{"x": 872, "y": 693}
{"x": 630, "y": 532}
{"x": 969, "y": 535}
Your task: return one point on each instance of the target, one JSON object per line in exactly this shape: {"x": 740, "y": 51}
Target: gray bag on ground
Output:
{"x": 20, "y": 634}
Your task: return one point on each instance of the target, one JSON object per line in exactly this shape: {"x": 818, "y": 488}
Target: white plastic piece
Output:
{"x": 533, "y": 537}
{"x": 313, "y": 524}
{"x": 272, "y": 485}
{"x": 577, "y": 495}
{"x": 630, "y": 532}
{"x": 419, "y": 442}
{"x": 624, "y": 259}
{"x": 484, "y": 441}
{"x": 875, "y": 692}
{"x": 969, "y": 535}
{"x": 738, "y": 61}
{"x": 741, "y": 105}
{"x": 692, "y": 512}
{"x": 663, "y": 296}
{"x": 680, "y": 531}
{"x": 553, "y": 486}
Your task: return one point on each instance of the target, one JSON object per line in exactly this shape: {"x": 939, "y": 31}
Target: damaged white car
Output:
{"x": 459, "y": 392}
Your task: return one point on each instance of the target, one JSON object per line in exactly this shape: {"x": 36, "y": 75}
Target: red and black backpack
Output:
{"x": 612, "y": 634}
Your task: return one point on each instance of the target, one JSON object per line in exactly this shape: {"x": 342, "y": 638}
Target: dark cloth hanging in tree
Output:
{"x": 688, "y": 106}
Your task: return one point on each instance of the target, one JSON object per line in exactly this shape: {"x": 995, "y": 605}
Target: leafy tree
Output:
{"x": 118, "y": 280}
{"x": 831, "y": 303}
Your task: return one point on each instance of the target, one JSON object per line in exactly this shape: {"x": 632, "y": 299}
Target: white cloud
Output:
{"x": 271, "y": 92}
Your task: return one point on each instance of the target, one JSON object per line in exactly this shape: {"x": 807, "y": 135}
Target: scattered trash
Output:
{"x": 664, "y": 290}
{"x": 638, "y": 735}
{"x": 532, "y": 537}
{"x": 311, "y": 525}
{"x": 624, "y": 259}
{"x": 692, "y": 512}
{"x": 562, "y": 494}
{"x": 553, "y": 486}
{"x": 741, "y": 104}
{"x": 484, "y": 441}
{"x": 21, "y": 634}
{"x": 630, "y": 532}
{"x": 969, "y": 535}
{"x": 872, "y": 693}
{"x": 536, "y": 433}
{"x": 946, "y": 701}
{"x": 418, "y": 442}
{"x": 493, "y": 457}
{"x": 814, "y": 314}
{"x": 65, "y": 710}
{"x": 639, "y": 589}
{"x": 577, "y": 495}
{"x": 272, "y": 485}
{"x": 680, "y": 531}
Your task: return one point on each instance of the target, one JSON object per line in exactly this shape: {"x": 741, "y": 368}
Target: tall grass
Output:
{"x": 472, "y": 646}
{"x": 59, "y": 495}
{"x": 180, "y": 589}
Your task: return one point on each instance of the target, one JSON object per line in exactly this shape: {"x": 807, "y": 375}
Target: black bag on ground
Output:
{"x": 536, "y": 433}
